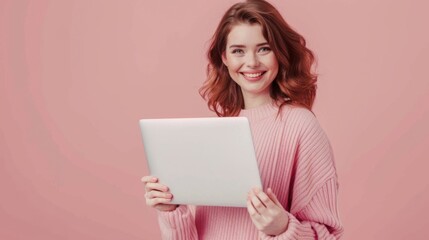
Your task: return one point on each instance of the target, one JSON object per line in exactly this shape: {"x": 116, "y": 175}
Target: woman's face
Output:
{"x": 250, "y": 61}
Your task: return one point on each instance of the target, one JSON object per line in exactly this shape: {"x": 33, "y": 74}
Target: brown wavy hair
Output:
{"x": 294, "y": 84}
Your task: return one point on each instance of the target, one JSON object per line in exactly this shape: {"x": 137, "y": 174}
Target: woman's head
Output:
{"x": 293, "y": 82}
{"x": 251, "y": 63}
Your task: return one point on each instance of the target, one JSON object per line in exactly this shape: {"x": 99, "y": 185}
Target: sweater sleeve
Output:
{"x": 313, "y": 212}
{"x": 178, "y": 224}
{"x": 318, "y": 220}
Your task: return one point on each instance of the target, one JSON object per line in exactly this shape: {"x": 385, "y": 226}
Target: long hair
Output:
{"x": 294, "y": 84}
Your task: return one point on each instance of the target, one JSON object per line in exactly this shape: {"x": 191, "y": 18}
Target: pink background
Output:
{"x": 75, "y": 77}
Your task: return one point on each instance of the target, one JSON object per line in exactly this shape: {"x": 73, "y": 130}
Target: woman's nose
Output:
{"x": 252, "y": 60}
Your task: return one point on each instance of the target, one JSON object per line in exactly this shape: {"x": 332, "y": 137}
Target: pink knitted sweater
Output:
{"x": 295, "y": 159}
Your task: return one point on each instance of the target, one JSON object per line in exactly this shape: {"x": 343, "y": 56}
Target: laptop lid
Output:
{"x": 204, "y": 161}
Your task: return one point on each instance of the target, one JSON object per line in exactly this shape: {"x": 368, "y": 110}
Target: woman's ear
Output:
{"x": 224, "y": 60}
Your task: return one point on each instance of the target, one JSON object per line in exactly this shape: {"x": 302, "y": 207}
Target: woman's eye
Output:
{"x": 265, "y": 49}
{"x": 239, "y": 51}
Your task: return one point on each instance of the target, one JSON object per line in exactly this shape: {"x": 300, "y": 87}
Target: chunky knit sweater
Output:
{"x": 295, "y": 159}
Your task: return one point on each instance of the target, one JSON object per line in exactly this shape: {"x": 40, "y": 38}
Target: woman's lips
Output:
{"x": 253, "y": 76}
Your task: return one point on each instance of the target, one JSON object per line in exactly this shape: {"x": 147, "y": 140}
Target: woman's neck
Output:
{"x": 256, "y": 101}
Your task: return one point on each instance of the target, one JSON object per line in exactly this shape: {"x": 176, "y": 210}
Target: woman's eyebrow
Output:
{"x": 243, "y": 46}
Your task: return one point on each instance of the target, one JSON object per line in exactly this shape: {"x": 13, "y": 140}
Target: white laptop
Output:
{"x": 204, "y": 161}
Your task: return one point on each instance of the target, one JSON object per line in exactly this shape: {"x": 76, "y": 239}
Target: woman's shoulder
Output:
{"x": 294, "y": 114}
{"x": 300, "y": 121}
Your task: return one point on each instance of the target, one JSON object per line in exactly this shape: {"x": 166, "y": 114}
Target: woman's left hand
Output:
{"x": 266, "y": 212}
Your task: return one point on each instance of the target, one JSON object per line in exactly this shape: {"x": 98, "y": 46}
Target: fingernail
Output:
{"x": 154, "y": 179}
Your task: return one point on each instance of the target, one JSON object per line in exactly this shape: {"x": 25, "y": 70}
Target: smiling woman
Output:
{"x": 260, "y": 68}
{"x": 251, "y": 63}
{"x": 254, "y": 32}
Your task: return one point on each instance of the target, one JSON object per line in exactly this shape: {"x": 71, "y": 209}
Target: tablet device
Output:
{"x": 204, "y": 161}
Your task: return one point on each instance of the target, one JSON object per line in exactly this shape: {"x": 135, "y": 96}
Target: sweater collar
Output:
{"x": 261, "y": 112}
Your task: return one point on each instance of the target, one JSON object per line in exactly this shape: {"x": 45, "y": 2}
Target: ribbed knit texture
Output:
{"x": 296, "y": 160}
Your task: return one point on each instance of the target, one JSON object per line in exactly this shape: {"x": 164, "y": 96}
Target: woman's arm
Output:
{"x": 318, "y": 220}
{"x": 178, "y": 224}
{"x": 176, "y": 221}
{"x": 313, "y": 212}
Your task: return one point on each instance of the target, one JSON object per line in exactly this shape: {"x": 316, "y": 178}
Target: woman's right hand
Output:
{"x": 157, "y": 195}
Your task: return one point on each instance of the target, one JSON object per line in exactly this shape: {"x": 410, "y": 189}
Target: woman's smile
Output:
{"x": 253, "y": 76}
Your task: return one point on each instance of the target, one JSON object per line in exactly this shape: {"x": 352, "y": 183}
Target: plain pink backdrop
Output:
{"x": 75, "y": 77}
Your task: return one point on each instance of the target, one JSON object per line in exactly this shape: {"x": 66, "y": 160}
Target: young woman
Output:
{"x": 261, "y": 69}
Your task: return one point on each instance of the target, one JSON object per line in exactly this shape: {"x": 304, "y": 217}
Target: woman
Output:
{"x": 261, "y": 69}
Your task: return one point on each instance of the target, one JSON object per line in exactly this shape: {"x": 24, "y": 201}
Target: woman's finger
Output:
{"x": 252, "y": 211}
{"x": 162, "y": 200}
{"x": 156, "y": 186}
{"x": 273, "y": 197}
{"x": 147, "y": 179}
{"x": 264, "y": 198}
{"x": 151, "y": 183}
{"x": 250, "y": 196}
{"x": 258, "y": 205}
{"x": 155, "y": 201}
{"x": 157, "y": 194}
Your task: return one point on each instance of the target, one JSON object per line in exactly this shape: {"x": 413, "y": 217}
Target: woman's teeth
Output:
{"x": 252, "y": 75}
